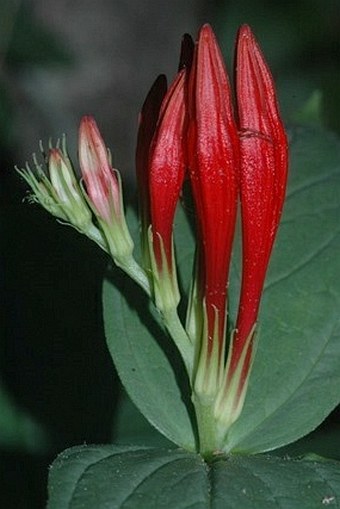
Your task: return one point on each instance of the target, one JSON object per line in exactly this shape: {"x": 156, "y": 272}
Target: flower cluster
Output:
{"x": 192, "y": 131}
{"x": 228, "y": 157}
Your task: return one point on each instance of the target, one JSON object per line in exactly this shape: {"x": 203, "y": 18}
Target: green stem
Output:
{"x": 181, "y": 338}
{"x": 209, "y": 443}
{"x": 94, "y": 234}
{"x": 135, "y": 271}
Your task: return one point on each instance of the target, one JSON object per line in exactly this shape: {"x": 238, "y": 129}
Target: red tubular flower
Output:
{"x": 166, "y": 170}
{"x": 263, "y": 175}
{"x": 160, "y": 157}
{"x": 160, "y": 165}
{"x": 102, "y": 185}
{"x": 213, "y": 165}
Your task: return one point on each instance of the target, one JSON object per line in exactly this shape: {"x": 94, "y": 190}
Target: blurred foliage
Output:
{"x": 5, "y": 116}
{"x": 18, "y": 431}
{"x": 311, "y": 111}
{"x": 29, "y": 42}
{"x": 50, "y": 328}
{"x": 24, "y": 43}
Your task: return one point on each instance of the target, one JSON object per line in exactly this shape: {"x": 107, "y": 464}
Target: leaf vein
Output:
{"x": 97, "y": 462}
{"x": 251, "y": 473}
{"x": 148, "y": 477}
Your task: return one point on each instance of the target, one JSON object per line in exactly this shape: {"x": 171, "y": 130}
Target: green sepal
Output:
{"x": 165, "y": 286}
{"x": 231, "y": 396}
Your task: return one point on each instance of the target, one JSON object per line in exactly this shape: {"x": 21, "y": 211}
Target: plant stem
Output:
{"x": 96, "y": 236}
{"x": 135, "y": 271}
{"x": 207, "y": 430}
{"x": 181, "y": 338}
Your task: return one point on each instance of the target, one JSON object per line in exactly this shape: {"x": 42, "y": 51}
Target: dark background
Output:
{"x": 58, "y": 61}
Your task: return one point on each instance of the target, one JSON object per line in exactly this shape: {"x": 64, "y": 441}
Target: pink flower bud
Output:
{"x": 101, "y": 182}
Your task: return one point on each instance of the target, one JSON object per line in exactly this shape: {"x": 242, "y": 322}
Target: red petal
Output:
{"x": 167, "y": 164}
{"x": 263, "y": 175}
{"x": 213, "y": 162}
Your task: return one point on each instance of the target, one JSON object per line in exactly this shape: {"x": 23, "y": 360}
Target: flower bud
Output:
{"x": 263, "y": 178}
{"x": 101, "y": 182}
{"x": 65, "y": 185}
{"x": 57, "y": 190}
{"x": 213, "y": 154}
{"x": 166, "y": 174}
{"x": 103, "y": 190}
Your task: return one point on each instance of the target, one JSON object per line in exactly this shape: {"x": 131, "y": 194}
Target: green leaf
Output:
{"x": 141, "y": 351}
{"x": 110, "y": 477}
{"x": 296, "y": 376}
{"x": 131, "y": 427}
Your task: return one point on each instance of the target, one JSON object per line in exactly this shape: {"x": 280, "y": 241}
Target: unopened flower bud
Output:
{"x": 103, "y": 190}
{"x": 69, "y": 195}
